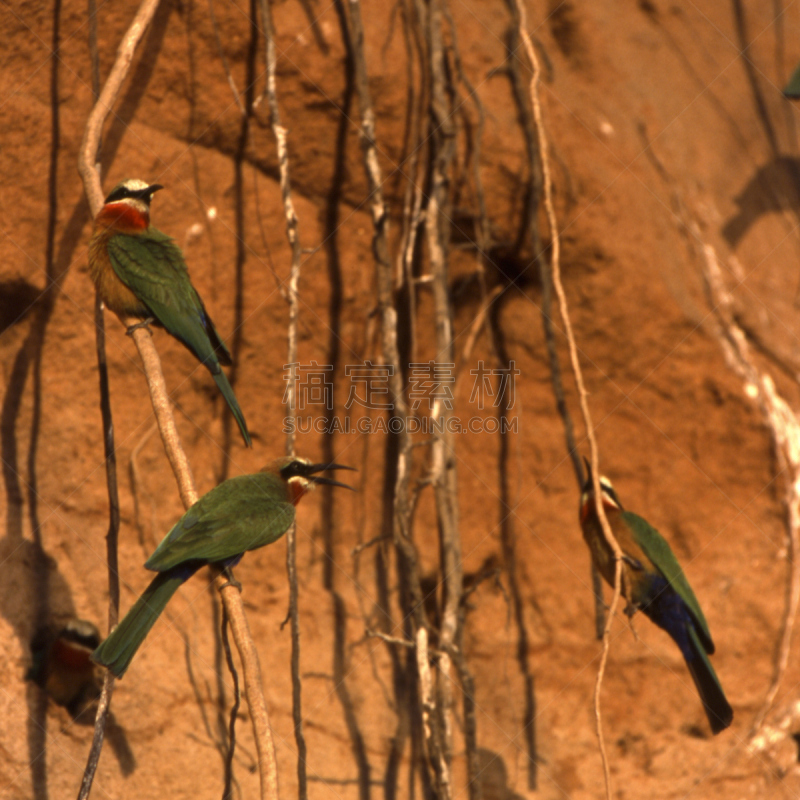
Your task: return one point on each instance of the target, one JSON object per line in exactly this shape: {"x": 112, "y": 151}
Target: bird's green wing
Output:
{"x": 657, "y": 549}
{"x": 119, "y": 648}
{"x": 241, "y": 514}
{"x": 151, "y": 265}
{"x": 792, "y": 89}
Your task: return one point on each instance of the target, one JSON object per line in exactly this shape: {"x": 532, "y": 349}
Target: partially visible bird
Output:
{"x": 792, "y": 89}
{"x": 140, "y": 272}
{"x": 653, "y": 581}
{"x": 241, "y": 514}
{"x": 62, "y": 665}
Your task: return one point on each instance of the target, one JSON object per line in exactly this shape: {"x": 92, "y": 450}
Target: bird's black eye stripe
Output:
{"x": 120, "y": 193}
{"x": 608, "y": 489}
{"x": 123, "y": 192}
{"x": 294, "y": 469}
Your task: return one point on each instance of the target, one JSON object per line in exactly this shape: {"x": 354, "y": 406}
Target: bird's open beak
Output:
{"x": 147, "y": 193}
{"x": 588, "y": 486}
{"x": 314, "y": 468}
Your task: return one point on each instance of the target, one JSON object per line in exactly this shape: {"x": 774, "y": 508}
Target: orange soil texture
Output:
{"x": 668, "y": 138}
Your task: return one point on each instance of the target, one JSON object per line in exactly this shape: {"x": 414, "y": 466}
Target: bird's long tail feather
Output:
{"x": 717, "y": 708}
{"x": 122, "y": 643}
{"x": 230, "y": 399}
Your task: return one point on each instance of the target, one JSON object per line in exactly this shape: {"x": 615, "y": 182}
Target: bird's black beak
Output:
{"x": 312, "y": 469}
{"x": 587, "y": 487}
{"x": 147, "y": 194}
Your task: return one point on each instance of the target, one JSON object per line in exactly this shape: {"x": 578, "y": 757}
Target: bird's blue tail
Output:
{"x": 669, "y": 612}
{"x": 717, "y": 708}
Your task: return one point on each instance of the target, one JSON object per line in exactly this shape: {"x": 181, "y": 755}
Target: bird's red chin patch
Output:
{"x": 124, "y": 217}
{"x": 588, "y": 507}
{"x": 70, "y": 654}
{"x": 297, "y": 488}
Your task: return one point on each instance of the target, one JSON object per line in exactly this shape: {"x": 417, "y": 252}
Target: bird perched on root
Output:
{"x": 653, "y": 581}
{"x": 140, "y": 272}
{"x": 241, "y": 514}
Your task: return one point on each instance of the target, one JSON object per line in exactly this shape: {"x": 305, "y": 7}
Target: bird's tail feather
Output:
{"x": 233, "y": 404}
{"x": 119, "y": 648}
{"x": 717, "y": 708}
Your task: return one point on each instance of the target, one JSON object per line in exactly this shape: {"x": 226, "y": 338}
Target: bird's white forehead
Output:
{"x": 134, "y": 184}
{"x": 284, "y": 462}
{"x": 606, "y": 488}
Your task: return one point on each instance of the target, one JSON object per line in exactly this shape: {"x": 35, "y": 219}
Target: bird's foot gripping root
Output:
{"x": 145, "y": 323}
{"x": 228, "y": 573}
{"x": 630, "y": 610}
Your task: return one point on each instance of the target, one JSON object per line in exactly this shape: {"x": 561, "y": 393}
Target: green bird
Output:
{"x": 241, "y": 514}
{"x": 792, "y": 89}
{"x": 61, "y": 664}
{"x": 653, "y": 581}
{"x": 140, "y": 272}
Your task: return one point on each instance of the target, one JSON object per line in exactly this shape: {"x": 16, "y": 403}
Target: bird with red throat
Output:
{"x": 241, "y": 514}
{"x": 653, "y": 581}
{"x": 140, "y": 273}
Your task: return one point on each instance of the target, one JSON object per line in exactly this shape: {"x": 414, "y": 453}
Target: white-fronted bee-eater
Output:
{"x": 241, "y": 514}
{"x": 653, "y": 582}
{"x": 140, "y": 272}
